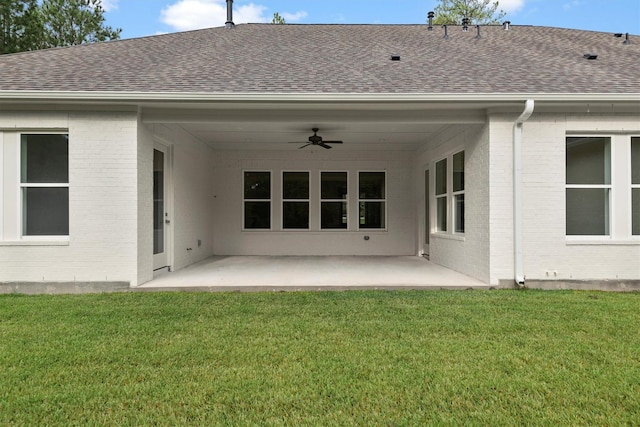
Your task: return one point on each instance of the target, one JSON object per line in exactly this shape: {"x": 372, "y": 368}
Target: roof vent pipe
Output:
{"x": 478, "y": 28}
{"x": 465, "y": 24}
{"x": 506, "y": 25}
{"x": 446, "y": 33}
{"x": 229, "y": 23}
{"x": 626, "y": 39}
{"x": 430, "y": 15}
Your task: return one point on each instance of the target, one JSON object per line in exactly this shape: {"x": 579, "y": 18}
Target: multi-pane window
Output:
{"x": 257, "y": 200}
{"x": 44, "y": 184}
{"x": 588, "y": 186}
{"x": 441, "y": 195}
{"x": 333, "y": 200}
{"x": 372, "y": 199}
{"x": 635, "y": 186}
{"x": 295, "y": 200}
{"x": 458, "y": 192}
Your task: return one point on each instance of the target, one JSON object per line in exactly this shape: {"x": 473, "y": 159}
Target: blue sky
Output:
{"x": 139, "y": 18}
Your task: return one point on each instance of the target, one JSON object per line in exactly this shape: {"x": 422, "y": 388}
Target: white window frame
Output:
{"x": 22, "y": 186}
{"x": 633, "y": 186}
{"x": 454, "y": 205}
{"x": 383, "y": 200}
{"x": 444, "y": 196}
{"x": 345, "y": 200}
{"x": 449, "y": 196}
{"x": 307, "y": 200}
{"x": 270, "y": 200}
{"x": 619, "y": 191}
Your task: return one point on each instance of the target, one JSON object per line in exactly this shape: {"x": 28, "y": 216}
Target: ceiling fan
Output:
{"x": 317, "y": 140}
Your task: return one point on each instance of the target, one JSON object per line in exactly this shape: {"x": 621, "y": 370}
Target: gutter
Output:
{"x": 205, "y": 97}
{"x": 517, "y": 192}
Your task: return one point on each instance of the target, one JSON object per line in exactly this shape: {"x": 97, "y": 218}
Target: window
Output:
{"x": 441, "y": 195}
{"x": 333, "y": 200}
{"x": 372, "y": 201}
{"x": 635, "y": 186}
{"x": 588, "y": 186}
{"x": 458, "y": 192}
{"x": 257, "y": 200}
{"x": 295, "y": 200}
{"x": 44, "y": 184}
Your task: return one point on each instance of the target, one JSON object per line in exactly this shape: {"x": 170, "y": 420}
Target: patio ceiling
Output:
{"x": 273, "y": 129}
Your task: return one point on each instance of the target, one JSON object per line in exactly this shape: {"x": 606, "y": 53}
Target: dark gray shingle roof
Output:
{"x": 268, "y": 58}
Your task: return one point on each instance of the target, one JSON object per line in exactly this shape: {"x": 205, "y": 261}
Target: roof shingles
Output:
{"x": 264, "y": 58}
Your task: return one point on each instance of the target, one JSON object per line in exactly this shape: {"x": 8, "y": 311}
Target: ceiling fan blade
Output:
{"x": 332, "y": 142}
{"x": 306, "y": 145}
{"x": 323, "y": 145}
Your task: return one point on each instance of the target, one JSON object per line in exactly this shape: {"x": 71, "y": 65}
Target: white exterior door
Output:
{"x": 161, "y": 219}
{"x": 427, "y": 215}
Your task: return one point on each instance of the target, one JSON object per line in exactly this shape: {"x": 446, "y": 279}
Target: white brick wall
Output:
{"x": 468, "y": 254}
{"x": 102, "y": 201}
{"x": 548, "y": 254}
{"x": 399, "y": 239}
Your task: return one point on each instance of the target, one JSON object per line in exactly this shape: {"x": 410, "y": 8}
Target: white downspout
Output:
{"x": 517, "y": 191}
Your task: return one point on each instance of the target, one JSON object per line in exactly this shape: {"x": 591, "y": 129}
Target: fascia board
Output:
{"x": 181, "y": 97}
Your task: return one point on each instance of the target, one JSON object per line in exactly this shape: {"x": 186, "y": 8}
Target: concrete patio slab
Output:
{"x": 245, "y": 273}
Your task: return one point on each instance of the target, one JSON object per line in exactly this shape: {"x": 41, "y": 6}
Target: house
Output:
{"x": 508, "y": 153}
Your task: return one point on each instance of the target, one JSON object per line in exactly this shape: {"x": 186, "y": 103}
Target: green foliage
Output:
{"x": 277, "y": 19}
{"x": 480, "y": 12}
{"x": 31, "y": 25}
{"x": 331, "y": 358}
{"x": 20, "y": 25}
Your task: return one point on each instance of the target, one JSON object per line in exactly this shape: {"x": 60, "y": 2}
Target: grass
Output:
{"x": 335, "y": 358}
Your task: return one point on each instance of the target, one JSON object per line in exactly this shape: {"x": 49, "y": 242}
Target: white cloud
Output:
{"x": 511, "y": 6}
{"x": 108, "y": 5}
{"x": 186, "y": 15}
{"x": 294, "y": 17}
{"x": 570, "y": 5}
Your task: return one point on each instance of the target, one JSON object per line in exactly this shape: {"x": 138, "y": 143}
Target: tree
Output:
{"x": 277, "y": 19}
{"x": 20, "y": 25}
{"x": 37, "y": 24}
{"x": 74, "y": 22}
{"x": 480, "y": 12}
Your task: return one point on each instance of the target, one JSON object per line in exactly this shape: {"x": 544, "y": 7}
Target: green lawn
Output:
{"x": 331, "y": 358}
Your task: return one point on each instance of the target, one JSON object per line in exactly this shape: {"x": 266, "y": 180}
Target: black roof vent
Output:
{"x": 395, "y": 57}
{"x": 430, "y": 15}
{"x": 446, "y": 33}
{"x": 506, "y": 25}
{"x": 590, "y": 56}
{"x": 618, "y": 35}
{"x": 229, "y": 24}
{"x": 626, "y": 40}
{"x": 465, "y": 24}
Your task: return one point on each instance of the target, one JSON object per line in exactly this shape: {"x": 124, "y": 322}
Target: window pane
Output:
{"x": 587, "y": 211}
{"x": 372, "y": 185}
{"x": 458, "y": 171}
{"x": 45, "y": 159}
{"x": 635, "y": 160}
{"x": 459, "y": 213}
{"x": 372, "y": 214}
{"x": 588, "y": 161}
{"x": 257, "y": 215}
{"x": 295, "y": 185}
{"x": 333, "y": 215}
{"x": 295, "y": 215}
{"x": 441, "y": 208}
{"x": 257, "y": 185}
{"x": 333, "y": 185}
{"x": 46, "y": 211}
{"x": 441, "y": 177}
{"x": 635, "y": 211}
{"x": 158, "y": 202}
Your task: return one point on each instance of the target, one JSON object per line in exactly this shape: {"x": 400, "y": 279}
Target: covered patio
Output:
{"x": 292, "y": 273}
